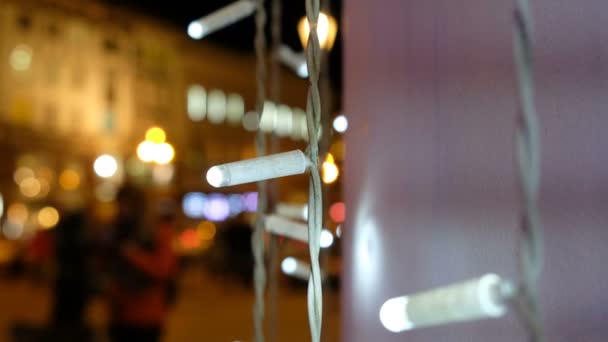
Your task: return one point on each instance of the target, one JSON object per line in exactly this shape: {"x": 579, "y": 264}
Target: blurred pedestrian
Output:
{"x": 144, "y": 267}
{"x": 71, "y": 290}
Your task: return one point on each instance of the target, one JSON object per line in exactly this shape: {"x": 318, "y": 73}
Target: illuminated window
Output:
{"x": 197, "y": 102}
{"x": 235, "y": 108}
{"x": 216, "y": 106}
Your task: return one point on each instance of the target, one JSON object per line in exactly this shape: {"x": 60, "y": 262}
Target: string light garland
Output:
{"x": 221, "y": 18}
{"x": 315, "y": 205}
{"x": 528, "y": 153}
{"x": 490, "y": 296}
{"x": 281, "y": 164}
{"x": 484, "y": 297}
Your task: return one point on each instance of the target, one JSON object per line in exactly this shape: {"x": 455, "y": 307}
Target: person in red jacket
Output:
{"x": 144, "y": 270}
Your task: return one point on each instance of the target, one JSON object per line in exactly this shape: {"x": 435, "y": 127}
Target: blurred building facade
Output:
{"x": 80, "y": 78}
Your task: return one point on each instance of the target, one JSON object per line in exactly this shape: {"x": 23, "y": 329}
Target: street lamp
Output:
{"x": 327, "y": 28}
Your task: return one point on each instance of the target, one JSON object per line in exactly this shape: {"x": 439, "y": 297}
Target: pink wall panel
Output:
{"x": 430, "y": 178}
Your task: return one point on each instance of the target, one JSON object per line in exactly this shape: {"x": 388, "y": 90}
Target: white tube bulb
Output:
{"x": 292, "y": 211}
{"x": 295, "y": 230}
{"x": 470, "y": 300}
{"x": 295, "y": 61}
{"x": 284, "y": 227}
{"x": 258, "y": 169}
{"x": 221, "y": 18}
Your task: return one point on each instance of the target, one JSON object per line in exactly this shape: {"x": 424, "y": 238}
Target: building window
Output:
{"x": 53, "y": 30}
{"x": 24, "y": 22}
{"x": 110, "y": 46}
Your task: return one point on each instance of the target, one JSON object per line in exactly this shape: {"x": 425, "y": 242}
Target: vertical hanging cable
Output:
{"x": 275, "y": 96}
{"x": 257, "y": 238}
{"x": 313, "y": 120}
{"x": 528, "y": 160}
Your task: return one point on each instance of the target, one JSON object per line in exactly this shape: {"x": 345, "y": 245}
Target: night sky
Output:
{"x": 240, "y": 35}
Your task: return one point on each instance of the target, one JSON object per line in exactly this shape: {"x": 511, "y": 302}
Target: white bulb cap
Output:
{"x": 258, "y": 169}
{"x": 221, "y": 18}
{"x": 295, "y": 61}
{"x": 295, "y": 268}
{"x": 469, "y": 300}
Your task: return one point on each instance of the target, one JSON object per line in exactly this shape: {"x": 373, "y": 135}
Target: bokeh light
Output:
{"x": 250, "y": 200}
{"x": 1, "y": 205}
{"x": 193, "y": 205}
{"x": 268, "y": 120}
{"x": 30, "y": 187}
{"x": 21, "y": 58}
{"x": 156, "y": 135}
{"x": 289, "y": 265}
{"x": 146, "y": 151}
{"x": 12, "y": 230}
{"x": 69, "y": 179}
{"x": 251, "y": 122}
{"x": 17, "y": 212}
{"x": 329, "y": 170}
{"x": 189, "y": 239}
{"x": 206, "y": 230}
{"x": 337, "y": 212}
{"x": 22, "y": 173}
{"x": 235, "y": 108}
{"x": 105, "y": 166}
{"x": 163, "y": 174}
{"x": 236, "y": 204}
{"x": 340, "y": 124}
{"x": 45, "y": 187}
{"x": 327, "y": 238}
{"x": 216, "y": 106}
{"x": 284, "y": 121}
{"x": 48, "y": 217}
{"x": 106, "y": 192}
{"x": 164, "y": 153}
{"x": 327, "y": 29}
{"x": 216, "y": 208}
{"x": 197, "y": 103}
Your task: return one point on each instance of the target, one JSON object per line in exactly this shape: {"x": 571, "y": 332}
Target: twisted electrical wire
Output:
{"x": 315, "y": 218}
{"x": 275, "y": 96}
{"x": 257, "y": 238}
{"x": 528, "y": 161}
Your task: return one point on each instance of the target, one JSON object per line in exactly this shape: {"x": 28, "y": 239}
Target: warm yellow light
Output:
{"x": 30, "y": 187}
{"x": 329, "y": 170}
{"x": 164, "y": 153}
{"x": 146, "y": 151}
{"x": 327, "y": 28}
{"x": 22, "y": 173}
{"x": 17, "y": 212}
{"x": 48, "y": 217}
{"x": 21, "y": 58}
{"x": 206, "y": 230}
{"x": 69, "y": 179}
{"x": 156, "y": 135}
